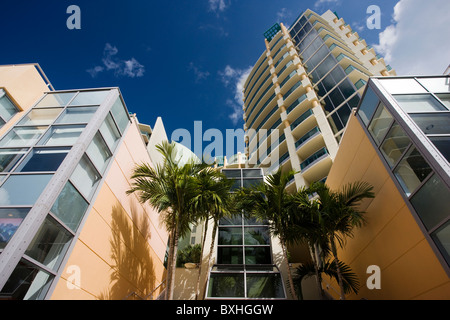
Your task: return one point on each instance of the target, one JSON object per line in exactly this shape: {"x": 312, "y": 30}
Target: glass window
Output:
{"x": 70, "y": 207}
{"x": 43, "y": 160}
{"x": 412, "y": 170}
{"x": 230, "y": 236}
{"x": 120, "y": 115}
{"x": 7, "y": 108}
{"x": 229, "y": 255}
{"x": 443, "y": 145}
{"x": 252, "y": 173}
{"x": 85, "y": 177}
{"x": 99, "y": 153}
{"x": 264, "y": 286}
{"x": 23, "y": 189}
{"x": 419, "y": 103}
{"x": 432, "y": 123}
{"x": 445, "y": 99}
{"x": 27, "y": 282}
{"x": 258, "y": 255}
{"x": 380, "y": 123}
{"x": 56, "y": 100}
{"x": 442, "y": 237}
{"x": 234, "y": 220}
{"x": 368, "y": 106}
{"x": 22, "y": 136}
{"x": 399, "y": 85}
{"x": 77, "y": 115}
{"x": 257, "y": 236}
{"x": 90, "y": 98}
{"x": 109, "y": 132}
{"x": 50, "y": 244}
{"x": 62, "y": 136}
{"x": 10, "y": 220}
{"x": 441, "y": 84}
{"x": 10, "y": 157}
{"x": 232, "y": 173}
{"x": 40, "y": 116}
{"x": 432, "y": 202}
{"x": 226, "y": 285}
{"x": 248, "y": 183}
{"x": 395, "y": 144}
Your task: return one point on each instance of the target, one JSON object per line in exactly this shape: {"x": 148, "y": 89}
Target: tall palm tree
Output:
{"x": 338, "y": 215}
{"x": 270, "y": 201}
{"x": 212, "y": 201}
{"x": 169, "y": 188}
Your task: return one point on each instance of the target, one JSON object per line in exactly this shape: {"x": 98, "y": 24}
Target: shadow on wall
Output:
{"x": 132, "y": 269}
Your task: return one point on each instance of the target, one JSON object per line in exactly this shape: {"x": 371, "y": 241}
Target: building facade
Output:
{"x": 398, "y": 141}
{"x": 68, "y": 228}
{"x": 299, "y": 96}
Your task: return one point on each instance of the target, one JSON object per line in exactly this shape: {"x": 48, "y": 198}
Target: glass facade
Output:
{"x": 31, "y": 154}
{"x": 411, "y": 127}
{"x": 244, "y": 268}
{"x": 7, "y": 108}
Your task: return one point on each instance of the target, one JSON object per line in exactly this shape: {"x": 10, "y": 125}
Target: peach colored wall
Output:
{"x": 121, "y": 246}
{"x": 392, "y": 238}
{"x": 24, "y": 85}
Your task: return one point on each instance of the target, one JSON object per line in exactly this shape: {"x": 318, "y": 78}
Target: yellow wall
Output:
{"x": 392, "y": 238}
{"x": 24, "y": 86}
{"x": 121, "y": 246}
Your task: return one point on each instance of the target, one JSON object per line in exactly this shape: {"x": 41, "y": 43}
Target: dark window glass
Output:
{"x": 229, "y": 255}
{"x": 226, "y": 286}
{"x": 43, "y": 160}
{"x": 264, "y": 286}
{"x": 368, "y": 105}
{"x": 258, "y": 255}
{"x": 10, "y": 220}
{"x": 443, "y": 145}
{"x": 433, "y": 123}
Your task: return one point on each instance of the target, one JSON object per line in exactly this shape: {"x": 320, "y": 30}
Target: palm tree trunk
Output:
{"x": 170, "y": 261}
{"x": 174, "y": 264}
{"x": 213, "y": 240}
{"x": 316, "y": 269}
{"x": 197, "y": 290}
{"x": 338, "y": 268}
{"x": 291, "y": 282}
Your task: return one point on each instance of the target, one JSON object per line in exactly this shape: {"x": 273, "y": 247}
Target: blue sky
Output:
{"x": 180, "y": 60}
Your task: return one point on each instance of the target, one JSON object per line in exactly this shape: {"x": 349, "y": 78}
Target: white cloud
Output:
{"x": 217, "y": 5}
{"x": 320, "y": 3}
{"x": 236, "y": 78}
{"x": 417, "y": 41}
{"x": 283, "y": 15}
{"x": 199, "y": 74}
{"x": 128, "y": 68}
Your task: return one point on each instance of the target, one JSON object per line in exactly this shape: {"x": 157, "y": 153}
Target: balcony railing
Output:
{"x": 302, "y": 118}
{"x": 296, "y": 103}
{"x": 322, "y": 153}
{"x": 307, "y": 136}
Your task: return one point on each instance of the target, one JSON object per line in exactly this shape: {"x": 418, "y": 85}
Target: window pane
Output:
{"x": 265, "y": 286}
{"x": 22, "y": 137}
{"x": 257, "y": 236}
{"x": 23, "y": 189}
{"x": 445, "y": 99}
{"x": 442, "y": 237}
{"x": 433, "y": 123}
{"x": 252, "y": 182}
{"x": 395, "y": 144}
{"x": 226, "y": 286}
{"x": 50, "y": 244}
{"x": 56, "y": 100}
{"x": 229, "y": 255}
{"x": 232, "y": 173}
{"x": 419, "y": 103}
{"x": 251, "y": 173}
{"x": 109, "y": 132}
{"x": 7, "y": 108}
{"x": 70, "y": 207}
{"x": 396, "y": 86}
{"x": 40, "y": 116}
{"x": 77, "y": 115}
{"x": 230, "y": 236}
{"x": 441, "y": 84}
{"x": 90, "y": 98}
{"x": 380, "y": 123}
{"x": 10, "y": 220}
{"x": 85, "y": 177}
{"x": 120, "y": 115}
{"x": 27, "y": 282}
{"x": 62, "y": 136}
{"x": 412, "y": 170}
{"x": 43, "y": 160}
{"x": 99, "y": 153}
{"x": 258, "y": 255}
{"x": 234, "y": 220}
{"x": 443, "y": 145}
{"x": 10, "y": 157}
{"x": 432, "y": 202}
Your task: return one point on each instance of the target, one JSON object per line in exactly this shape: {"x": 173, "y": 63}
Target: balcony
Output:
{"x": 315, "y": 158}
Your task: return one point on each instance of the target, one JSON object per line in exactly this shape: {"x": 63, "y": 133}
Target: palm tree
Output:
{"x": 337, "y": 215}
{"x": 169, "y": 188}
{"x": 270, "y": 201}
{"x": 212, "y": 201}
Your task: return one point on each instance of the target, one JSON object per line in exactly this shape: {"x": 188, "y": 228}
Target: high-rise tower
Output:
{"x": 300, "y": 93}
